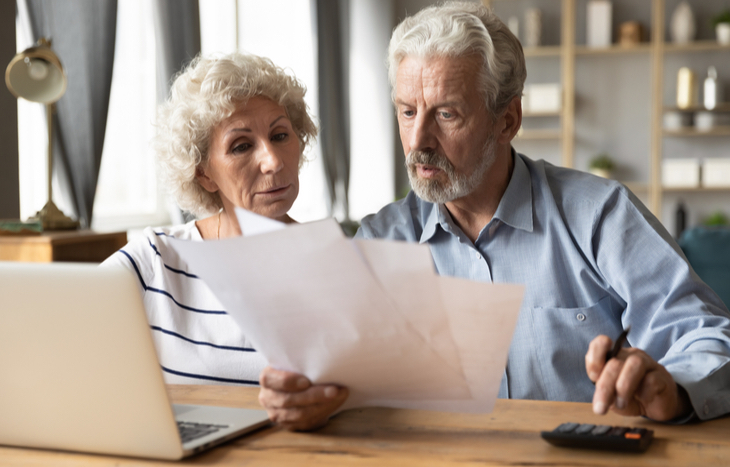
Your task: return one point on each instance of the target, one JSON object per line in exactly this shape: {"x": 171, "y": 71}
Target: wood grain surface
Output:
{"x": 510, "y": 435}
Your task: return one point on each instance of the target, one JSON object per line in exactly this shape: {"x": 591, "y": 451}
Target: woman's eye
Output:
{"x": 243, "y": 147}
{"x": 280, "y": 137}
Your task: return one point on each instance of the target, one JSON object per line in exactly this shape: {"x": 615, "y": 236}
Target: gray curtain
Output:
{"x": 9, "y": 182}
{"x": 332, "y": 56}
{"x": 83, "y": 33}
{"x": 177, "y": 30}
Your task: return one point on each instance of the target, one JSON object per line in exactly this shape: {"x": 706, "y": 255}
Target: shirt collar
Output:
{"x": 515, "y": 207}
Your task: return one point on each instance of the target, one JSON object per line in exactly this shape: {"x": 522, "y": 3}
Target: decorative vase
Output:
{"x": 722, "y": 30}
{"x": 687, "y": 90}
{"x": 682, "y": 27}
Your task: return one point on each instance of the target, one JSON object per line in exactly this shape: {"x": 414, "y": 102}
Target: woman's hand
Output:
{"x": 633, "y": 384}
{"x": 293, "y": 402}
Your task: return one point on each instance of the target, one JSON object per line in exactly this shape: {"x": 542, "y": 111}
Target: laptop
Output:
{"x": 79, "y": 371}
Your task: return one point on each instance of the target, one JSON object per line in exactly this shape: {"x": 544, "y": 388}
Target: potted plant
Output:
{"x": 716, "y": 219}
{"x": 721, "y": 21}
{"x": 601, "y": 165}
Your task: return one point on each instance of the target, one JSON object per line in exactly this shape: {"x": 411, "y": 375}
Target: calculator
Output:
{"x": 606, "y": 437}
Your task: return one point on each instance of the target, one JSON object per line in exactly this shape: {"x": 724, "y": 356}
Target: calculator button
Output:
{"x": 618, "y": 431}
{"x": 600, "y": 430}
{"x": 635, "y": 433}
{"x": 584, "y": 429}
{"x": 566, "y": 427}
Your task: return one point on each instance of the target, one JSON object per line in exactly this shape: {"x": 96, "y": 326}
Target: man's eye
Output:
{"x": 408, "y": 113}
{"x": 446, "y": 114}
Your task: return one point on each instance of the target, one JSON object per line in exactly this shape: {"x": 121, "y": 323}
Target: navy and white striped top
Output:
{"x": 197, "y": 341}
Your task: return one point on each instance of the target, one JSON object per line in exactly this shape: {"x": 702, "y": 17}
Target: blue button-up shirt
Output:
{"x": 594, "y": 260}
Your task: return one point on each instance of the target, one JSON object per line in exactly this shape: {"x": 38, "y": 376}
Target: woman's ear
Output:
{"x": 511, "y": 121}
{"x": 204, "y": 180}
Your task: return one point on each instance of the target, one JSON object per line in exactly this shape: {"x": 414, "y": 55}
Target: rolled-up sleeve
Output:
{"x": 674, "y": 316}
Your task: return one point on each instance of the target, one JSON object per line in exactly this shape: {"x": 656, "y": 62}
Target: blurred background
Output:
{"x": 623, "y": 86}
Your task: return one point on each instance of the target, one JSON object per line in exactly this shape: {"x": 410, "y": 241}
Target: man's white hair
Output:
{"x": 459, "y": 29}
{"x": 204, "y": 94}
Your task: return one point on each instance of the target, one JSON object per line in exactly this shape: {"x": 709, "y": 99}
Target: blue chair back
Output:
{"x": 708, "y": 251}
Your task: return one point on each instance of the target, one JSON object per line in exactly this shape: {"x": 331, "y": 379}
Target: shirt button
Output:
{"x": 479, "y": 256}
{"x": 581, "y": 317}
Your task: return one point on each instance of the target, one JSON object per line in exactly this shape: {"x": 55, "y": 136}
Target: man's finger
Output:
{"x": 280, "y": 380}
{"x": 659, "y": 395}
{"x": 596, "y": 356}
{"x": 630, "y": 378}
{"x": 605, "y": 393}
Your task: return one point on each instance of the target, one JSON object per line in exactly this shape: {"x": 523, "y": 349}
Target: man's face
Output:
{"x": 445, "y": 128}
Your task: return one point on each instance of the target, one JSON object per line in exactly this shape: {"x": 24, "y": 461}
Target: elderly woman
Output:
{"x": 232, "y": 134}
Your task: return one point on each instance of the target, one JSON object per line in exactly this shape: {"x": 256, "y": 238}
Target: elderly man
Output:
{"x": 593, "y": 259}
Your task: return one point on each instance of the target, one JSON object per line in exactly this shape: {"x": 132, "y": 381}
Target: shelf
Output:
{"x": 644, "y": 47}
{"x": 543, "y": 51}
{"x": 538, "y": 134}
{"x": 655, "y": 57}
{"x": 691, "y": 132}
{"x": 696, "y": 46}
{"x": 724, "y": 107}
{"x": 696, "y": 190}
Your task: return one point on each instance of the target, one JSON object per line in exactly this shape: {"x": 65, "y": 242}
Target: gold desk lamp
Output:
{"x": 36, "y": 75}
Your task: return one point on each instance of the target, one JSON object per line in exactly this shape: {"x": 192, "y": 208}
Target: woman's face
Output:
{"x": 253, "y": 162}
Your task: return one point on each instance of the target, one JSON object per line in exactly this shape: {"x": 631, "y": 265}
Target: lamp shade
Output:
{"x": 36, "y": 74}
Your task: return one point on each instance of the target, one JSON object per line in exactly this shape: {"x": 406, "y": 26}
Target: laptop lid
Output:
{"x": 78, "y": 367}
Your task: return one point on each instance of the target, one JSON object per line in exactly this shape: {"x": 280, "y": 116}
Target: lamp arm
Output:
{"x": 49, "y": 121}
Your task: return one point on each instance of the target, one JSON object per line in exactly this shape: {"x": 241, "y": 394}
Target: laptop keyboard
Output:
{"x": 191, "y": 430}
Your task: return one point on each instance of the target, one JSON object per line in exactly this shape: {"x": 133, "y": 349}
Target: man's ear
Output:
{"x": 511, "y": 121}
{"x": 204, "y": 180}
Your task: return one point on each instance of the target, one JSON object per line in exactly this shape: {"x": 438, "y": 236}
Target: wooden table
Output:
{"x": 74, "y": 245}
{"x": 510, "y": 435}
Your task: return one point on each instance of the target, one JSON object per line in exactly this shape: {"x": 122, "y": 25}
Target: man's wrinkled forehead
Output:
{"x": 447, "y": 73}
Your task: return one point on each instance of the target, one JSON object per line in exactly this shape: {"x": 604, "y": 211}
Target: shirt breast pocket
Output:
{"x": 562, "y": 336}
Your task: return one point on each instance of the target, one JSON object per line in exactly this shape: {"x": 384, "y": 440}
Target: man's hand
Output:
{"x": 293, "y": 402}
{"x": 633, "y": 384}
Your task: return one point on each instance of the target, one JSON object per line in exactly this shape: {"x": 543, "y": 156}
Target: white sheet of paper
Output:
{"x": 252, "y": 224}
{"x": 370, "y": 315}
{"x": 309, "y": 304}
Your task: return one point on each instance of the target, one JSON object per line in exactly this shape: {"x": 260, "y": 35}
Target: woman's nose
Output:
{"x": 271, "y": 162}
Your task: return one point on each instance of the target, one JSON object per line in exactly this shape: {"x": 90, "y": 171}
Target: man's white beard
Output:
{"x": 458, "y": 185}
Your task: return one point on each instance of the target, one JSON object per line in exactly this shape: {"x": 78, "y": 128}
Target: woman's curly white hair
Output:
{"x": 204, "y": 94}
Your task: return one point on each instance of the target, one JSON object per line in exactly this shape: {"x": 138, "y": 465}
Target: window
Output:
{"x": 127, "y": 195}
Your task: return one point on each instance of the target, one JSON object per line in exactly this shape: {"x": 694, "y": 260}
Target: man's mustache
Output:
{"x": 429, "y": 158}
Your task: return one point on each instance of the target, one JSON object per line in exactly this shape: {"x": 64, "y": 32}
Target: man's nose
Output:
{"x": 422, "y": 134}
{"x": 270, "y": 160}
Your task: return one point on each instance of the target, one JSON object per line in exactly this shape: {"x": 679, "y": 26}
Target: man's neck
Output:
{"x": 474, "y": 211}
